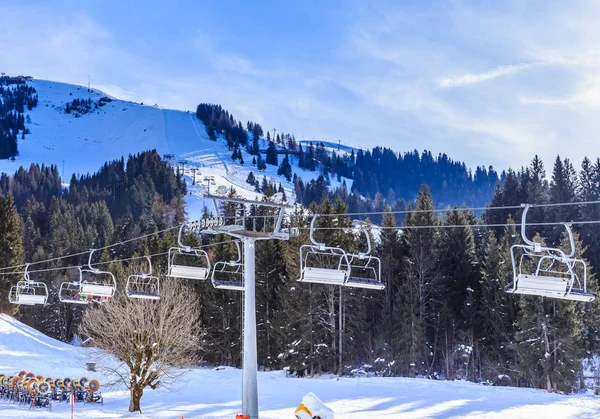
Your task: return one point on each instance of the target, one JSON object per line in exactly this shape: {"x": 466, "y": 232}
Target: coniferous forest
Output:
{"x": 15, "y": 95}
{"x": 442, "y": 315}
{"x": 378, "y": 175}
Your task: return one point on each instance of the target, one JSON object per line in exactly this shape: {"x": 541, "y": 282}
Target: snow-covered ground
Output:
{"x": 119, "y": 128}
{"x": 215, "y": 394}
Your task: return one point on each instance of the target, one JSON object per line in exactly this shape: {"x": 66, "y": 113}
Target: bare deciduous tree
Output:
{"x": 151, "y": 340}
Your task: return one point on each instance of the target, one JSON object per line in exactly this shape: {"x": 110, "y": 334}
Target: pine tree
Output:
{"x": 272, "y": 154}
{"x": 260, "y": 164}
{"x": 251, "y": 179}
{"x": 389, "y": 251}
{"x": 285, "y": 169}
{"x": 457, "y": 296}
{"x": 11, "y": 248}
{"x": 417, "y": 315}
{"x": 497, "y": 311}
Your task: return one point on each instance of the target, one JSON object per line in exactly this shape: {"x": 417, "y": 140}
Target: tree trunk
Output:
{"x": 136, "y": 393}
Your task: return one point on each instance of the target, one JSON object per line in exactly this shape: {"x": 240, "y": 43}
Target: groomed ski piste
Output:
{"x": 215, "y": 393}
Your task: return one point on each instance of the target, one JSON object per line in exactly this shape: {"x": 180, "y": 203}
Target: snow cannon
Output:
{"x": 22, "y": 373}
{"x": 59, "y": 383}
{"x": 43, "y": 388}
{"x": 14, "y": 382}
{"x": 31, "y": 385}
{"x": 313, "y": 408}
{"x": 93, "y": 386}
{"x": 29, "y": 375}
{"x": 66, "y": 383}
{"x": 80, "y": 383}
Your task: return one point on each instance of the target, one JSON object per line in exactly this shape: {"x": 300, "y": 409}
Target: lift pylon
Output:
{"x": 248, "y": 237}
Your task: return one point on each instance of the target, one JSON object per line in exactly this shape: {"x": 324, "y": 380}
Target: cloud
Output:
{"x": 221, "y": 59}
{"x": 466, "y": 79}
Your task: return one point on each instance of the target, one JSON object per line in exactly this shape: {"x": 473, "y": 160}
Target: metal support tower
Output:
{"x": 250, "y": 363}
{"x": 249, "y": 238}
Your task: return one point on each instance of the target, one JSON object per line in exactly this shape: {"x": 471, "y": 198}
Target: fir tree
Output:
{"x": 271, "y": 154}
{"x": 285, "y": 169}
{"x": 11, "y": 247}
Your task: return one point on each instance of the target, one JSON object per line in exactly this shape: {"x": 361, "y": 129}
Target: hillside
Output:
{"x": 215, "y": 394}
{"x": 118, "y": 128}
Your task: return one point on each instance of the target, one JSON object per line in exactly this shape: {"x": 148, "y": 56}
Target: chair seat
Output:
{"x": 548, "y": 286}
{"x": 372, "y": 284}
{"x": 188, "y": 272}
{"x": 324, "y": 276}
{"x": 228, "y": 285}
{"x": 143, "y": 295}
{"x": 30, "y": 299}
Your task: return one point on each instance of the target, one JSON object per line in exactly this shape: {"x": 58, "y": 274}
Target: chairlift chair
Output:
{"x": 143, "y": 286}
{"x": 70, "y": 292}
{"x": 313, "y": 255}
{"x": 365, "y": 269}
{"x": 93, "y": 285}
{"x": 546, "y": 271}
{"x": 179, "y": 270}
{"x": 97, "y": 284}
{"x": 28, "y": 292}
{"x": 233, "y": 270}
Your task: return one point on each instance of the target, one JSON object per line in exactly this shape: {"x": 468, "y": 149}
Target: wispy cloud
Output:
{"x": 222, "y": 59}
{"x": 474, "y": 78}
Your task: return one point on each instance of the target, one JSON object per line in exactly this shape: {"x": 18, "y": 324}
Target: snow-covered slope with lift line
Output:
{"x": 207, "y": 393}
{"x": 119, "y": 128}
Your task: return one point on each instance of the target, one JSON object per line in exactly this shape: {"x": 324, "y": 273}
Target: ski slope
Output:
{"x": 207, "y": 393}
{"x": 119, "y": 128}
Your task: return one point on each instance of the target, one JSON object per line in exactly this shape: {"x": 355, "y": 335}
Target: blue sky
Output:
{"x": 486, "y": 82}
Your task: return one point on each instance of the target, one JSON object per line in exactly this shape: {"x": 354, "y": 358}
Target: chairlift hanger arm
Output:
{"x": 571, "y": 239}
{"x": 524, "y": 224}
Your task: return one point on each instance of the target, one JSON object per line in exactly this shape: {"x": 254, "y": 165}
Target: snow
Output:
{"x": 215, "y": 393}
{"x": 120, "y": 128}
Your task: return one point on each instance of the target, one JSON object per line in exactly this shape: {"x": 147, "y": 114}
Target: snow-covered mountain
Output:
{"x": 83, "y": 143}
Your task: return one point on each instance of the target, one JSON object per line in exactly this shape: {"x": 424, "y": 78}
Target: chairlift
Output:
{"x": 546, "y": 271}
{"x": 28, "y": 292}
{"x": 97, "y": 284}
{"x": 94, "y": 285}
{"x": 313, "y": 256}
{"x": 191, "y": 254}
{"x": 365, "y": 269}
{"x": 233, "y": 270}
{"x": 143, "y": 286}
{"x": 70, "y": 292}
